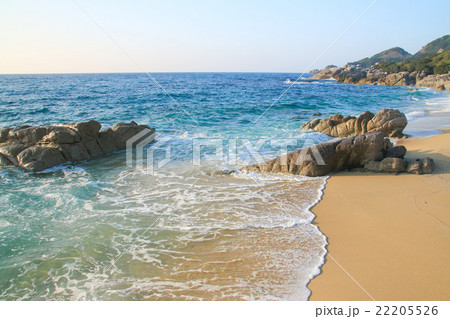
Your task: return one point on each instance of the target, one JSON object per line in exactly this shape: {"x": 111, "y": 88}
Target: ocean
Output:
{"x": 105, "y": 230}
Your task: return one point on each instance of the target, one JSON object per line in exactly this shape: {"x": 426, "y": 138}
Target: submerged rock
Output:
{"x": 388, "y": 121}
{"x": 226, "y": 172}
{"x": 38, "y": 148}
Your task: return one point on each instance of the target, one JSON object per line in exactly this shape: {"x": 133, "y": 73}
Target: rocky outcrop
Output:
{"x": 388, "y": 121}
{"x": 359, "y": 75}
{"x": 439, "y": 81}
{"x": 401, "y": 78}
{"x": 325, "y": 74}
{"x": 327, "y": 157}
{"x": 38, "y": 148}
{"x": 371, "y": 152}
{"x": 314, "y": 71}
{"x": 350, "y": 74}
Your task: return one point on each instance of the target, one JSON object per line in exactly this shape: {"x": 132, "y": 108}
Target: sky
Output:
{"x": 57, "y": 36}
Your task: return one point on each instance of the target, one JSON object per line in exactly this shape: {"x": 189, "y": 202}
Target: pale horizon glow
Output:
{"x": 50, "y": 36}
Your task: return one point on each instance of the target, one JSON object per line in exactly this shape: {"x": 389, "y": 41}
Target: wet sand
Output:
{"x": 388, "y": 235}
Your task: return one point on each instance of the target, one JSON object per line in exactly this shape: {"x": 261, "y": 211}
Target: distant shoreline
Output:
{"x": 358, "y": 75}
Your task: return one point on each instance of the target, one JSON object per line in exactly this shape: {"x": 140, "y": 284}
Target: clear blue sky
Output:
{"x": 44, "y": 36}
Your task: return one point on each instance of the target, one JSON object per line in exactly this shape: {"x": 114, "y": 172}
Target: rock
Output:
{"x": 401, "y": 78}
{"x": 387, "y": 143}
{"x": 38, "y": 148}
{"x": 324, "y": 74}
{"x": 61, "y": 135}
{"x": 106, "y": 141}
{"x": 4, "y": 161}
{"x": 336, "y": 118}
{"x": 314, "y": 71}
{"x": 387, "y": 165}
{"x": 317, "y": 114}
{"x": 39, "y": 158}
{"x": 74, "y": 152}
{"x": 427, "y": 165}
{"x": 124, "y": 131}
{"x": 321, "y": 159}
{"x": 225, "y": 172}
{"x": 26, "y": 135}
{"x": 421, "y": 166}
{"x": 11, "y": 152}
{"x": 390, "y": 122}
{"x": 4, "y": 133}
{"x": 87, "y": 130}
{"x": 414, "y": 167}
{"x": 437, "y": 81}
{"x": 396, "y": 151}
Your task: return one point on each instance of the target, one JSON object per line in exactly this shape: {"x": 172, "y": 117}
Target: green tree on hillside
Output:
{"x": 432, "y": 64}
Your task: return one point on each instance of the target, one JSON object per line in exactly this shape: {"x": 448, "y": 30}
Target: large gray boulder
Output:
{"x": 38, "y": 148}
{"x": 388, "y": 121}
{"x": 319, "y": 160}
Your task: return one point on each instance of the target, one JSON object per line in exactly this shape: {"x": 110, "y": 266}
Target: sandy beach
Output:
{"x": 388, "y": 235}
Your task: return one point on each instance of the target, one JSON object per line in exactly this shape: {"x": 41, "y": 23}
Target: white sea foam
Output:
{"x": 427, "y": 117}
{"x": 4, "y": 223}
{"x": 416, "y": 114}
{"x": 179, "y": 240}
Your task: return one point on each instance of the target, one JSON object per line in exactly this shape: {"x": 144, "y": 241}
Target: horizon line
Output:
{"x": 193, "y": 72}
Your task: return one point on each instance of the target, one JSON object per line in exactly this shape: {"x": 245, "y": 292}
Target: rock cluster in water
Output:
{"x": 359, "y": 75}
{"x": 388, "y": 121}
{"x": 41, "y": 147}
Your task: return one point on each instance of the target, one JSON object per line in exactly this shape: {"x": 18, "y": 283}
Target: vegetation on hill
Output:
{"x": 437, "y": 46}
{"x": 397, "y": 54}
{"x": 432, "y": 64}
{"x": 391, "y": 55}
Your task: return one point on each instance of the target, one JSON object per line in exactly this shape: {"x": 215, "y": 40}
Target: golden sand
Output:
{"x": 388, "y": 235}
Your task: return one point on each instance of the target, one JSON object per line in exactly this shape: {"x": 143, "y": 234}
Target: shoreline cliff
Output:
{"x": 358, "y": 75}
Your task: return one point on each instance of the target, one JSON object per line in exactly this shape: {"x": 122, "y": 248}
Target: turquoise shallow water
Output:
{"x": 102, "y": 230}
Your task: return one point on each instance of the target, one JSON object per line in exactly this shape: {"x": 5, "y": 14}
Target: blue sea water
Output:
{"x": 102, "y": 230}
